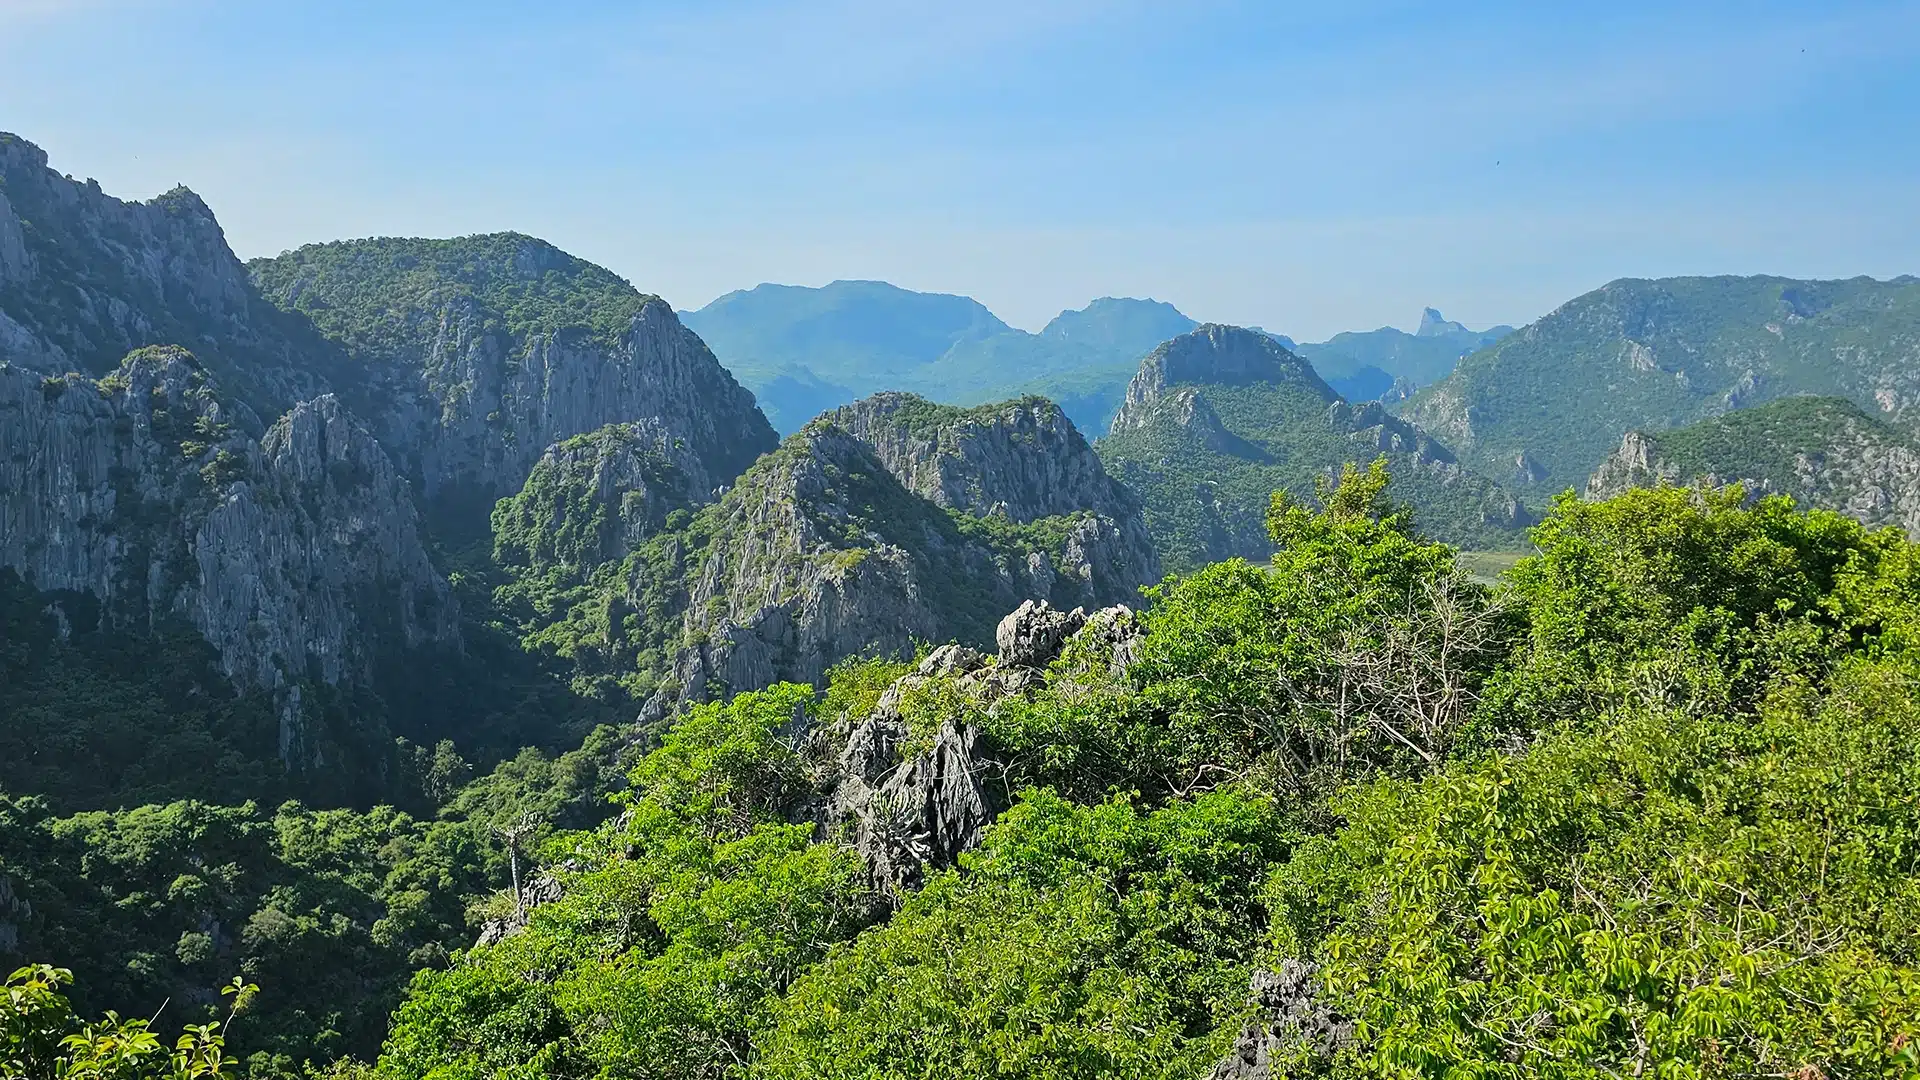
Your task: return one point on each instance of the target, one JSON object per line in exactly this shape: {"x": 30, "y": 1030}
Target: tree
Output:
{"x": 42, "y": 1039}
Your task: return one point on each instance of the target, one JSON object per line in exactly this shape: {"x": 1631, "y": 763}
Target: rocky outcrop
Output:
{"x": 541, "y": 889}
{"x": 1826, "y": 453}
{"x": 297, "y": 555}
{"x": 1213, "y": 355}
{"x": 1293, "y": 1032}
{"x": 629, "y": 478}
{"x": 86, "y": 278}
{"x": 1635, "y": 464}
{"x": 820, "y": 553}
{"x": 915, "y": 784}
{"x": 485, "y": 351}
{"x": 1020, "y": 459}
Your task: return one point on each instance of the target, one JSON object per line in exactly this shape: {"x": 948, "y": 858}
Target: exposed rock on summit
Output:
{"x": 1218, "y": 419}
{"x": 86, "y": 278}
{"x": 481, "y": 352}
{"x": 913, "y": 802}
{"x": 820, "y": 553}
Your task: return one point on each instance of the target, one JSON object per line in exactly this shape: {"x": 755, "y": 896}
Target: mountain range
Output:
{"x": 1220, "y": 418}
{"x": 440, "y": 633}
{"x": 1539, "y": 409}
{"x": 803, "y": 350}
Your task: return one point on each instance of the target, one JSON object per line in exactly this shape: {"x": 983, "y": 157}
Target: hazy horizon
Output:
{"x": 1305, "y": 170}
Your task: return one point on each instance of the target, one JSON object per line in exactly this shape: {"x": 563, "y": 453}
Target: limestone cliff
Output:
{"x": 297, "y": 555}
{"x": 1218, "y": 419}
{"x": 86, "y": 278}
{"x": 1023, "y": 460}
{"x": 1824, "y": 452}
{"x": 820, "y": 553}
{"x": 480, "y": 353}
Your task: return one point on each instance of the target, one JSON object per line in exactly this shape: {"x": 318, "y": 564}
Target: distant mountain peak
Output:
{"x": 1434, "y": 324}
{"x": 1119, "y": 321}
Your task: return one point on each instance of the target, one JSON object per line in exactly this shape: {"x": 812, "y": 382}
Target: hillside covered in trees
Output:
{"x": 1648, "y": 802}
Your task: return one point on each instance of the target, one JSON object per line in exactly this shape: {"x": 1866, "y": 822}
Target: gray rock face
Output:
{"x": 1294, "y": 1033}
{"x": 467, "y": 396}
{"x": 820, "y": 554}
{"x": 1023, "y": 459}
{"x": 539, "y": 891}
{"x": 297, "y": 555}
{"x": 914, "y": 802}
{"x": 632, "y": 475}
{"x": 1838, "y": 458}
{"x": 1034, "y": 632}
{"x": 94, "y": 278}
{"x": 452, "y": 410}
{"x": 1213, "y": 355}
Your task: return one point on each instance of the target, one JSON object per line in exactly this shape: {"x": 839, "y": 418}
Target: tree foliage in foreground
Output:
{"x": 1648, "y": 807}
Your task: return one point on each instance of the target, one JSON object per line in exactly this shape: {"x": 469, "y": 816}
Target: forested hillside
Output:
{"x": 1217, "y": 420}
{"x": 1539, "y": 409}
{"x": 1649, "y": 799}
{"x": 419, "y": 659}
{"x": 1825, "y": 452}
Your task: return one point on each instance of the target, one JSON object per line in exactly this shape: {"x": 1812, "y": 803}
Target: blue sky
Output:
{"x": 1306, "y": 167}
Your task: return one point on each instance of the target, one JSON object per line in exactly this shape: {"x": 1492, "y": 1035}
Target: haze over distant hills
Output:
{"x": 803, "y": 350}
{"x": 1364, "y": 365}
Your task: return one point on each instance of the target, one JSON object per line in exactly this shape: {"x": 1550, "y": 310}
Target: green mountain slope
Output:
{"x": 1542, "y": 407}
{"x": 885, "y": 524}
{"x": 1825, "y": 452}
{"x": 1220, "y": 418}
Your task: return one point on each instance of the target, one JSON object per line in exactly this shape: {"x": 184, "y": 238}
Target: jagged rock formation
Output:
{"x": 821, "y": 553}
{"x": 818, "y": 553}
{"x": 539, "y": 890}
{"x": 480, "y": 353}
{"x": 1650, "y": 355}
{"x": 912, "y": 801}
{"x": 1825, "y": 452}
{"x": 1218, "y": 419}
{"x": 594, "y": 498}
{"x": 1023, "y": 460}
{"x": 86, "y": 278}
{"x": 1294, "y": 1032}
{"x": 297, "y": 555}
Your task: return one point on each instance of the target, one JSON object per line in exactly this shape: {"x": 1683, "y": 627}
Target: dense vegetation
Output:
{"x": 369, "y": 294}
{"x": 1208, "y": 452}
{"x": 1648, "y": 355}
{"x": 1649, "y": 804}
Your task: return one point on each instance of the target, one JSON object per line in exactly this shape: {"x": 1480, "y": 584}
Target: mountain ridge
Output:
{"x": 1544, "y": 405}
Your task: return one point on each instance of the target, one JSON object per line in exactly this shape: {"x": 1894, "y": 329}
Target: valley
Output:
{"x": 500, "y": 673}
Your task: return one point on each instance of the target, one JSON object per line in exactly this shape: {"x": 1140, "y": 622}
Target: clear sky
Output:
{"x": 1306, "y": 167}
